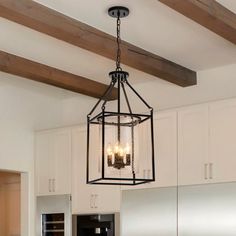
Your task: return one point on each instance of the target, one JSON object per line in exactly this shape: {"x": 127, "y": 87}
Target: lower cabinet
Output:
{"x": 89, "y": 198}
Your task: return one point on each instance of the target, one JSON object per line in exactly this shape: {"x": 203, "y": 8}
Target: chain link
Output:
{"x": 118, "y": 40}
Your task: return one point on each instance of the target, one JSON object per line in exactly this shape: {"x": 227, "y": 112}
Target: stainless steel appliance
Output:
{"x": 54, "y": 216}
{"x": 53, "y": 224}
{"x": 98, "y": 224}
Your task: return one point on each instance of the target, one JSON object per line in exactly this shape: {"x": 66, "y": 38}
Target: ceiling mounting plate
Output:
{"x": 118, "y": 11}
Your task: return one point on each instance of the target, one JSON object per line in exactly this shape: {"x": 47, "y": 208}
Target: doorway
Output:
{"x": 10, "y": 203}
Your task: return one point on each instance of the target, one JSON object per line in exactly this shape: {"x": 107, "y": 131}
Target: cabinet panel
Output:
{"x": 222, "y": 140}
{"x": 82, "y": 199}
{"x": 108, "y": 199}
{"x": 165, "y": 144}
{"x": 53, "y": 162}
{"x": 44, "y": 163}
{"x": 193, "y": 145}
{"x": 62, "y": 163}
{"x": 89, "y": 198}
{"x": 165, "y": 130}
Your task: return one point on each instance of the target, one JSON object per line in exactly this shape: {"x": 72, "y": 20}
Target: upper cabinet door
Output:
{"x": 44, "y": 150}
{"x": 165, "y": 148}
{"x": 62, "y": 162}
{"x": 193, "y": 145}
{"x": 53, "y": 162}
{"x": 222, "y": 140}
{"x": 165, "y": 137}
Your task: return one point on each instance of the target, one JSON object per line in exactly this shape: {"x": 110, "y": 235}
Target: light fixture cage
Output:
{"x": 106, "y": 127}
{"x": 120, "y": 142}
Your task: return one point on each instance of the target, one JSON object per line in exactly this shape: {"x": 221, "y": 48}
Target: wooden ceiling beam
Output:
{"x": 22, "y": 67}
{"x": 55, "y": 24}
{"x": 208, "y": 13}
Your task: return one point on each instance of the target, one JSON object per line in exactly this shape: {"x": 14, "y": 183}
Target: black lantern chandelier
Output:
{"x": 120, "y": 145}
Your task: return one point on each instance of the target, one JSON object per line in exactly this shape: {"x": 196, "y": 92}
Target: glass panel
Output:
{"x": 53, "y": 224}
{"x": 144, "y": 150}
{"x": 95, "y": 151}
{"x": 118, "y": 149}
{"x": 135, "y": 141}
{"x": 127, "y": 147}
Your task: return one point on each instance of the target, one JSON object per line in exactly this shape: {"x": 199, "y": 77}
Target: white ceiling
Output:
{"x": 151, "y": 25}
{"x": 157, "y": 28}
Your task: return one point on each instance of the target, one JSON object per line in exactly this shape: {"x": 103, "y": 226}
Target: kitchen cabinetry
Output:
{"x": 202, "y": 136}
{"x": 165, "y": 141}
{"x": 89, "y": 198}
{"x": 165, "y": 134}
{"x": 206, "y": 143}
{"x": 222, "y": 122}
{"x": 53, "y": 162}
{"x": 193, "y": 139}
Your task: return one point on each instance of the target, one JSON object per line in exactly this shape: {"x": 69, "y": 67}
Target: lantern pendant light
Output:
{"x": 120, "y": 142}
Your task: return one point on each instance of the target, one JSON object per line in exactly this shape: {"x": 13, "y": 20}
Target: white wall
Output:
{"x": 24, "y": 107}
{"x": 214, "y": 84}
{"x": 16, "y": 141}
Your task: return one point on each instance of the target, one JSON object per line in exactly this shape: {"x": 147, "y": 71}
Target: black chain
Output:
{"x": 118, "y": 40}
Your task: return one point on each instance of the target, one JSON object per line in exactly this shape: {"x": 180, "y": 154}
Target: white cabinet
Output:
{"x": 222, "y": 120}
{"x": 62, "y": 162}
{"x": 165, "y": 137}
{"x": 53, "y": 162}
{"x": 165, "y": 147}
{"x": 193, "y": 138}
{"x": 206, "y": 143}
{"x": 165, "y": 144}
{"x": 43, "y": 163}
{"x": 89, "y": 198}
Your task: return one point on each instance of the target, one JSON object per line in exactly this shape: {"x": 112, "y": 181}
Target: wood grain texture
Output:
{"x": 208, "y": 13}
{"x": 19, "y": 66}
{"x": 55, "y": 24}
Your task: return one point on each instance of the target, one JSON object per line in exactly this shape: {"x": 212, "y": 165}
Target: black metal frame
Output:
{"x": 119, "y": 78}
{"x": 99, "y": 119}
